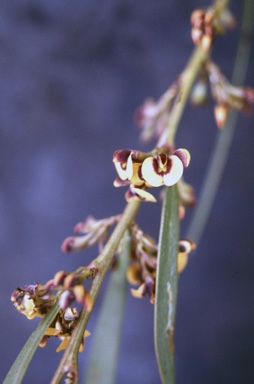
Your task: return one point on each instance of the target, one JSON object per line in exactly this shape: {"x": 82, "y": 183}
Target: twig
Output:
{"x": 69, "y": 361}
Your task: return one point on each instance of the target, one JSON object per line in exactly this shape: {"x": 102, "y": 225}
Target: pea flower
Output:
{"x": 164, "y": 169}
{"x": 128, "y": 165}
{"x": 143, "y": 170}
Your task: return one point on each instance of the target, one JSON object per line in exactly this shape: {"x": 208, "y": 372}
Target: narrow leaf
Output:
{"x": 22, "y": 362}
{"x": 166, "y": 286}
{"x": 106, "y": 342}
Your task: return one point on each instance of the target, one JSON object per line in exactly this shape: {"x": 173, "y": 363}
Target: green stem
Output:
{"x": 187, "y": 79}
{"x": 224, "y": 137}
{"x": 69, "y": 361}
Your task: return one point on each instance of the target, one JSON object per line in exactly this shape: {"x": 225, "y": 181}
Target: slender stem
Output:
{"x": 186, "y": 80}
{"x": 69, "y": 361}
{"x": 224, "y": 137}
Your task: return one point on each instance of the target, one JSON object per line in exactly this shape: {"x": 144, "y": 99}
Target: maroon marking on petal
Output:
{"x": 182, "y": 248}
{"x": 155, "y": 165}
{"x": 162, "y": 159}
{"x": 140, "y": 174}
{"x": 121, "y": 155}
{"x": 164, "y": 164}
{"x": 168, "y": 167}
{"x": 182, "y": 156}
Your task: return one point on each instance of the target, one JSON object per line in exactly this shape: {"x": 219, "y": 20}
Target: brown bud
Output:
{"x": 43, "y": 341}
{"x": 88, "y": 302}
{"x": 59, "y": 278}
{"x": 79, "y": 293}
{"x": 70, "y": 280}
{"x": 49, "y": 284}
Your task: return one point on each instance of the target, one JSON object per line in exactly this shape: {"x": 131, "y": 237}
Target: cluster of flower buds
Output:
{"x": 62, "y": 327}
{"x": 142, "y": 271}
{"x": 208, "y": 23}
{"x": 36, "y": 300}
{"x": 70, "y": 284}
{"x": 90, "y": 232}
{"x": 226, "y": 95}
{"x": 152, "y": 117}
{"x": 142, "y": 170}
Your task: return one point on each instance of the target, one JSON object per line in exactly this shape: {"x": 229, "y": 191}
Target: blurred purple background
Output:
{"x": 72, "y": 74}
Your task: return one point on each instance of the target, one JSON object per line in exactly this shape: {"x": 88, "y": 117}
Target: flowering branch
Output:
{"x": 156, "y": 267}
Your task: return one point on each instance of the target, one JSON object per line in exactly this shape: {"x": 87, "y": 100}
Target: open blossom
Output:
{"x": 128, "y": 165}
{"x": 164, "y": 169}
{"x": 141, "y": 171}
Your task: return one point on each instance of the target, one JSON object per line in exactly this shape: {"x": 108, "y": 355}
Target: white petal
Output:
{"x": 121, "y": 172}
{"x": 175, "y": 173}
{"x": 149, "y": 174}
{"x": 129, "y": 169}
{"x": 146, "y": 196}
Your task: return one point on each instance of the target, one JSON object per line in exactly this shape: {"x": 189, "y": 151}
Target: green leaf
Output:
{"x": 106, "y": 340}
{"x": 21, "y": 364}
{"x": 166, "y": 286}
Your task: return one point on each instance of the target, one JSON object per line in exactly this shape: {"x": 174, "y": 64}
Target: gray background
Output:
{"x": 72, "y": 74}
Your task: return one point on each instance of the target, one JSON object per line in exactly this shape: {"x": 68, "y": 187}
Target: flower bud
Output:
{"x": 66, "y": 299}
